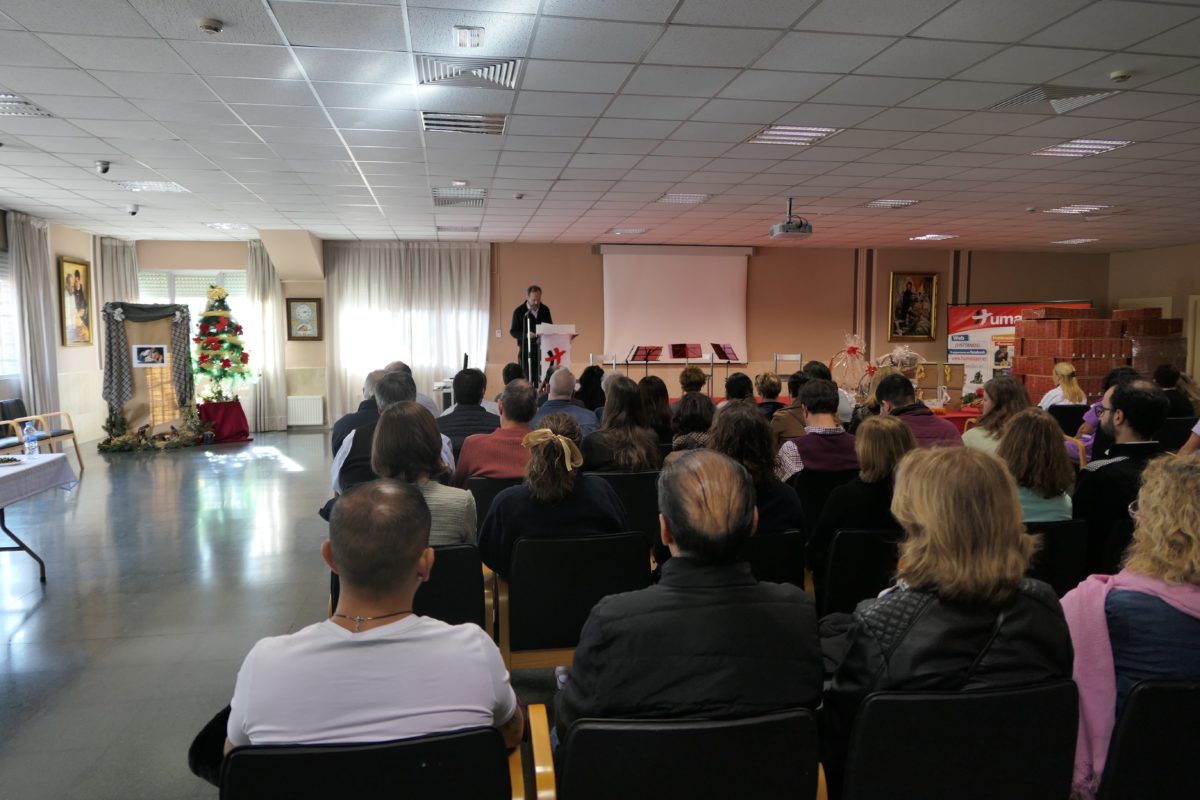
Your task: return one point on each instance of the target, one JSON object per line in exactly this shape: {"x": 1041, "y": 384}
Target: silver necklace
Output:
{"x": 358, "y": 621}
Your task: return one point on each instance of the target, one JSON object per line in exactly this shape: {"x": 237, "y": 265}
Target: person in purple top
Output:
{"x": 897, "y": 399}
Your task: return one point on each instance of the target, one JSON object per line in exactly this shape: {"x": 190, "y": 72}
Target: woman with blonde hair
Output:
{"x": 1003, "y": 397}
{"x": 1144, "y": 622}
{"x": 870, "y": 406}
{"x": 768, "y": 387}
{"x": 1032, "y": 449}
{"x": 962, "y": 615}
{"x": 1066, "y": 391}
{"x": 555, "y": 498}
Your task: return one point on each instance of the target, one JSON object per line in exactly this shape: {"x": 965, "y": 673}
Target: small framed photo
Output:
{"x": 913, "y": 300}
{"x": 304, "y": 319}
{"x": 75, "y": 283}
{"x": 149, "y": 355}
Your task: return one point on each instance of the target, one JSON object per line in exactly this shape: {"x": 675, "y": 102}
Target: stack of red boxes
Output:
{"x": 1151, "y": 339}
{"x": 1047, "y": 335}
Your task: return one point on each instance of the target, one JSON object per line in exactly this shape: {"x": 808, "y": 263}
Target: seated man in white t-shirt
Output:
{"x": 374, "y": 671}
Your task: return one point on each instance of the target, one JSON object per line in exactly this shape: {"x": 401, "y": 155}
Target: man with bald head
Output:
{"x": 562, "y": 389}
{"x": 707, "y": 641}
{"x": 423, "y": 399}
{"x": 368, "y": 411}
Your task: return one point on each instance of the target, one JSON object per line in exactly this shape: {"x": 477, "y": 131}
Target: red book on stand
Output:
{"x": 685, "y": 351}
{"x": 724, "y": 351}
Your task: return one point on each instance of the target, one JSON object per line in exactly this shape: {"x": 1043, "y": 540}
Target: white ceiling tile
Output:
{"x": 653, "y": 107}
{"x": 125, "y": 130}
{"x": 603, "y": 160}
{"x": 375, "y": 95}
{"x": 822, "y": 52}
{"x": 106, "y": 52}
{"x": 156, "y": 87}
{"x": 677, "y": 81}
{"x": 296, "y": 116}
{"x": 574, "y": 76}
{"x": 1144, "y": 130}
{"x": 759, "y": 111}
{"x": 522, "y": 125}
{"x": 864, "y": 138}
{"x": 372, "y": 138}
{"x": 989, "y": 21}
{"x": 411, "y": 155}
{"x": 38, "y": 126}
{"x": 623, "y": 146}
{"x": 238, "y": 60}
{"x": 1182, "y": 41}
{"x": 88, "y": 107}
{"x": 870, "y": 16}
{"x": 21, "y": 49}
{"x": 1188, "y": 113}
{"x": 631, "y": 10}
{"x": 244, "y": 22}
{"x": 943, "y": 141}
{"x": 769, "y": 85}
{"x": 309, "y": 152}
{"x": 459, "y": 99}
{"x": 323, "y": 64}
{"x": 714, "y": 132}
{"x": 1133, "y": 105}
{"x": 1065, "y": 127}
{"x": 40, "y": 80}
{"x": 1185, "y": 82}
{"x": 1145, "y": 68}
{"x": 964, "y": 95}
{"x": 870, "y": 90}
{"x": 591, "y": 40}
{"x": 1112, "y": 24}
{"x": 829, "y": 116}
{"x": 142, "y": 148}
{"x": 505, "y": 35}
{"x": 103, "y": 17}
{"x": 916, "y": 58}
{"x": 711, "y": 47}
{"x": 676, "y": 148}
{"x": 910, "y": 119}
{"x": 745, "y": 13}
{"x": 543, "y": 144}
{"x": 263, "y": 91}
{"x": 212, "y": 133}
{"x": 1029, "y": 64}
{"x": 340, "y": 25}
{"x": 566, "y": 104}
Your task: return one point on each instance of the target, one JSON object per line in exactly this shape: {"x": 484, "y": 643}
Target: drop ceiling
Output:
{"x": 308, "y": 115}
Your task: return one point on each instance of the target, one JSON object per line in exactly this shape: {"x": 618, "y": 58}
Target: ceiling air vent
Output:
{"x": 492, "y": 124}
{"x": 455, "y": 196}
{"x": 1060, "y": 98}
{"x": 479, "y": 73}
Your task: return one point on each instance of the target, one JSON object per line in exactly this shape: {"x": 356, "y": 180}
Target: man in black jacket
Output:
{"x": 368, "y": 411}
{"x": 525, "y": 317}
{"x": 469, "y": 416}
{"x": 707, "y": 641}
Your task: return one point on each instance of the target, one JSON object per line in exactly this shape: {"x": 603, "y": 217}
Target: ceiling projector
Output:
{"x": 793, "y": 228}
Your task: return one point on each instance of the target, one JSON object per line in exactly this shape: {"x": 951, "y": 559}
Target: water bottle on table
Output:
{"x": 29, "y": 434}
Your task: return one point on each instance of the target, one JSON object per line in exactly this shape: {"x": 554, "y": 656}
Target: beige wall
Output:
{"x": 889, "y": 261}
{"x": 1173, "y": 271}
{"x": 996, "y": 277}
{"x": 156, "y": 254}
{"x": 80, "y": 376}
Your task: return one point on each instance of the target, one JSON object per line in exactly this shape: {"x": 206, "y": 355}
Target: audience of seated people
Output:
{"x": 605, "y": 382}
{"x": 691, "y": 421}
{"x": 424, "y": 399}
{"x": 692, "y": 379}
{"x": 499, "y": 454}
{"x": 468, "y": 416}
{"x": 658, "y": 407}
{"x": 625, "y": 441}
{"x": 367, "y": 411}
{"x": 898, "y": 399}
{"x": 741, "y": 432}
{"x": 1003, "y": 396}
{"x": 825, "y": 445}
{"x": 554, "y": 500}
{"x": 1090, "y": 427}
{"x": 559, "y": 400}
{"x": 1066, "y": 391}
{"x": 870, "y": 404}
{"x": 590, "y": 392}
{"x": 738, "y": 386}
{"x": 864, "y": 503}
{"x": 962, "y": 615}
{"x": 1130, "y": 415}
{"x": 818, "y": 370}
{"x": 768, "y": 386}
{"x": 407, "y": 448}
{"x": 1144, "y": 622}
{"x": 1180, "y": 391}
{"x": 1031, "y": 448}
{"x": 788, "y": 422}
{"x": 489, "y": 406}
{"x": 707, "y": 641}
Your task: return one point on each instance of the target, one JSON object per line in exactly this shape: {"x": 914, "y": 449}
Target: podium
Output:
{"x": 555, "y": 345}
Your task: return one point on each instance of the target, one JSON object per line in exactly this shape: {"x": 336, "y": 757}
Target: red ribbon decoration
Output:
{"x": 852, "y": 350}
{"x": 555, "y": 357}
{"x": 871, "y": 370}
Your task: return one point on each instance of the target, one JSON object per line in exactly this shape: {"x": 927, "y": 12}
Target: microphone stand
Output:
{"x": 530, "y": 355}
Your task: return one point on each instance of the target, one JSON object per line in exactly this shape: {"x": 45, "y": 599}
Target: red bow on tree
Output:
{"x": 226, "y": 363}
{"x": 220, "y": 322}
{"x": 245, "y": 358}
{"x": 238, "y": 330}
{"x": 555, "y": 357}
{"x": 203, "y": 358}
{"x": 204, "y": 328}
{"x": 197, "y": 340}
{"x": 212, "y": 343}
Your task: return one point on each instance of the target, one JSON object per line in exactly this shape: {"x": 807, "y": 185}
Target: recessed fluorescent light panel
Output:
{"x": 467, "y": 36}
{"x": 1075, "y": 209}
{"x": 791, "y": 134}
{"x": 683, "y": 198}
{"x": 492, "y": 124}
{"x": 933, "y": 237}
{"x": 626, "y": 231}
{"x": 1075, "y": 241}
{"x": 447, "y": 196}
{"x": 1078, "y": 148}
{"x": 151, "y": 186}
{"x": 227, "y": 226}
{"x": 12, "y": 105}
{"x": 457, "y": 229}
{"x": 891, "y": 203}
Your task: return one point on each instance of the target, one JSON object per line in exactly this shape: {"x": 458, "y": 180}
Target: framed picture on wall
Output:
{"x": 304, "y": 319}
{"x": 913, "y": 302}
{"x": 144, "y": 356}
{"x": 75, "y": 283}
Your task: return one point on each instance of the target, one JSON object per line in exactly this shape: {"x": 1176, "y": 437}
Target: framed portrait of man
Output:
{"x": 304, "y": 319}
{"x": 75, "y": 284}
{"x": 913, "y": 303}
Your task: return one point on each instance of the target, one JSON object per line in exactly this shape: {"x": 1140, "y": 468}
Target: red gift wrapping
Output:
{"x": 1153, "y": 327}
{"x": 1037, "y": 329}
{"x": 1137, "y": 313}
{"x": 1090, "y": 328}
{"x": 1057, "y": 312}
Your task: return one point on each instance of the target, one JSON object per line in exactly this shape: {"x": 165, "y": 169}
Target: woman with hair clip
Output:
{"x": 625, "y": 441}
{"x": 1144, "y": 622}
{"x": 407, "y": 446}
{"x": 1066, "y": 391}
{"x": 1002, "y": 398}
{"x": 1032, "y": 449}
{"x": 554, "y": 500}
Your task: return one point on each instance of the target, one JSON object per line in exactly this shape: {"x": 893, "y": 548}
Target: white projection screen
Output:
{"x": 665, "y": 299}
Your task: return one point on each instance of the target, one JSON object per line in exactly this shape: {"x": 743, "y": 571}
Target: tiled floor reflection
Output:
{"x": 162, "y": 571}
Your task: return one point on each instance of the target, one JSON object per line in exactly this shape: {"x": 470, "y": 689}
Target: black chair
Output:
{"x": 776, "y": 557}
{"x": 1153, "y": 744}
{"x": 1069, "y": 417}
{"x": 813, "y": 488}
{"x": 996, "y": 744}
{"x": 553, "y": 584}
{"x": 471, "y": 763}
{"x": 639, "y": 494}
{"x": 1175, "y": 432}
{"x": 454, "y": 591}
{"x": 1120, "y": 534}
{"x": 484, "y": 490}
{"x": 1061, "y": 561}
{"x": 861, "y": 565}
{"x": 771, "y": 756}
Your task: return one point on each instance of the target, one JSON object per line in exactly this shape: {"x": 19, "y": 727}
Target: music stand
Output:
{"x": 645, "y": 354}
{"x": 685, "y": 351}
{"x": 725, "y": 353}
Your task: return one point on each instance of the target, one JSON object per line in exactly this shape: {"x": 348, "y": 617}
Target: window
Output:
{"x": 190, "y": 288}
{"x": 10, "y": 343}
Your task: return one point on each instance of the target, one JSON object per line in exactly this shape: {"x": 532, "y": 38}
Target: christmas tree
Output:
{"x": 219, "y": 352}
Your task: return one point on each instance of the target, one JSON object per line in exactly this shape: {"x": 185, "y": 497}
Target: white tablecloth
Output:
{"x": 33, "y": 476}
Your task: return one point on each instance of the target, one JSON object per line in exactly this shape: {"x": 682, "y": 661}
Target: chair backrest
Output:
{"x": 13, "y": 409}
{"x": 813, "y": 488}
{"x": 1069, "y": 417}
{"x": 1061, "y": 561}
{"x": 454, "y": 591}
{"x": 995, "y": 744}
{"x": 639, "y": 494}
{"x": 470, "y": 763}
{"x": 862, "y": 563}
{"x": 769, "y": 756}
{"x": 1175, "y": 432}
{"x": 1153, "y": 744}
{"x": 484, "y": 490}
{"x": 776, "y": 557}
{"x": 554, "y": 582}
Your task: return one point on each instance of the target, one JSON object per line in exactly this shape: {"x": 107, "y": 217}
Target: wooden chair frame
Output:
{"x": 40, "y": 423}
{"x": 524, "y": 659}
{"x": 1083, "y": 459}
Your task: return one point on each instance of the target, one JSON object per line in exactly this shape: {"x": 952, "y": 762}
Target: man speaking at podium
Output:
{"x": 526, "y": 318}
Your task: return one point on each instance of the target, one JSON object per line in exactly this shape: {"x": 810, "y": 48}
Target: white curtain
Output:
{"x": 116, "y": 277}
{"x": 39, "y": 309}
{"x": 424, "y": 303}
{"x": 268, "y": 397}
